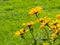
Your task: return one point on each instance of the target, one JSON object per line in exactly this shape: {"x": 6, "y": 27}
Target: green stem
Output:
{"x": 37, "y": 16}
{"x": 31, "y": 31}
{"x": 48, "y": 25}
{"x": 33, "y": 38}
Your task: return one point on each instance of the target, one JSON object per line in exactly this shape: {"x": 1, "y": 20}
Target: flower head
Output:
{"x": 53, "y": 27}
{"x": 41, "y": 19}
{"x": 42, "y": 25}
{"x": 58, "y": 25}
{"x": 35, "y": 10}
{"x": 21, "y": 32}
{"x": 45, "y": 22}
{"x": 54, "y": 22}
{"x": 28, "y": 24}
{"x": 57, "y": 31}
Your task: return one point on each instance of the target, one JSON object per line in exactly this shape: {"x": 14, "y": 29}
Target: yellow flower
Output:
{"x": 45, "y": 43}
{"x": 45, "y": 23}
{"x": 54, "y": 22}
{"x": 57, "y": 31}
{"x": 21, "y": 32}
{"x": 35, "y": 10}
{"x": 53, "y": 27}
{"x": 58, "y": 25}
{"x": 58, "y": 16}
{"x": 42, "y": 26}
{"x": 58, "y": 20}
{"x": 28, "y": 24}
{"x": 41, "y": 19}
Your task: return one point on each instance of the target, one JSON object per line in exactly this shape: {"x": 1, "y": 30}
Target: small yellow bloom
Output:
{"x": 45, "y": 23}
{"x": 42, "y": 26}
{"x": 58, "y": 25}
{"x": 47, "y": 20}
{"x": 58, "y": 16}
{"x": 41, "y": 19}
{"x": 58, "y": 20}
{"x": 35, "y": 10}
{"x": 29, "y": 24}
{"x": 21, "y": 32}
{"x": 54, "y": 22}
{"x": 45, "y": 43}
{"x": 53, "y": 27}
{"x": 57, "y": 31}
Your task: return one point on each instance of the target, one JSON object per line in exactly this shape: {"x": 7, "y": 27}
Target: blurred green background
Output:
{"x": 13, "y": 13}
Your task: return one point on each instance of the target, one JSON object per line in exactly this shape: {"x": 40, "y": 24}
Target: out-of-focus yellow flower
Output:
{"x": 53, "y": 36}
{"x": 58, "y": 25}
{"x": 21, "y": 32}
{"x": 45, "y": 43}
{"x": 35, "y": 10}
{"x": 29, "y": 24}
{"x": 41, "y": 19}
{"x": 58, "y": 16}
{"x": 45, "y": 23}
{"x": 42, "y": 26}
{"x": 57, "y": 31}
{"x": 54, "y": 23}
{"x": 58, "y": 20}
{"x": 47, "y": 20}
{"x": 53, "y": 27}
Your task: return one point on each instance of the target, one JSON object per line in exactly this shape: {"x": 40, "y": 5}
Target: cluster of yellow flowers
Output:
{"x": 45, "y": 22}
{"x": 54, "y": 25}
{"x": 20, "y": 32}
{"x": 28, "y": 24}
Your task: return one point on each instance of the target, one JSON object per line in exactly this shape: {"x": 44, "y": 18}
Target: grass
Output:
{"x": 13, "y": 13}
